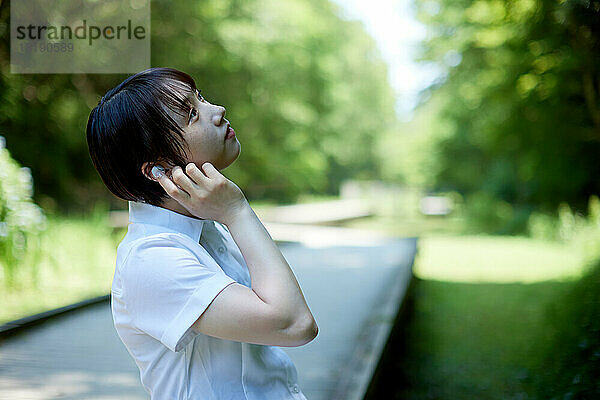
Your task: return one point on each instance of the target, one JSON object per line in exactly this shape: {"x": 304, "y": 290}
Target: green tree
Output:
{"x": 306, "y": 91}
{"x": 516, "y": 112}
{"x": 21, "y": 221}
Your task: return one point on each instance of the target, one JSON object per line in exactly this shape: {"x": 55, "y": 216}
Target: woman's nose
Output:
{"x": 218, "y": 117}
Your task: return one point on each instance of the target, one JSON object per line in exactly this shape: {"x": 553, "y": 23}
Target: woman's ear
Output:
{"x": 147, "y": 170}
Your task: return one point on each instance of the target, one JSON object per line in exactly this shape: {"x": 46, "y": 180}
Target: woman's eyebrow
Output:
{"x": 193, "y": 98}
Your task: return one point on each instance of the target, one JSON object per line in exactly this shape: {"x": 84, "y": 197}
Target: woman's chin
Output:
{"x": 230, "y": 161}
{"x": 236, "y": 154}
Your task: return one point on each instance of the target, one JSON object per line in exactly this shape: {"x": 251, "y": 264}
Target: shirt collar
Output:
{"x": 145, "y": 213}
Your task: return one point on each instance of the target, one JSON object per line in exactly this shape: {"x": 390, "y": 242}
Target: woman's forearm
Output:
{"x": 272, "y": 279}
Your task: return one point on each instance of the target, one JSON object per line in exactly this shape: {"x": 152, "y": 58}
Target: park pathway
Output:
{"x": 347, "y": 278}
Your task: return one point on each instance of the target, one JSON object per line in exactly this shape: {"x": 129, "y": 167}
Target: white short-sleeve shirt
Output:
{"x": 169, "y": 269}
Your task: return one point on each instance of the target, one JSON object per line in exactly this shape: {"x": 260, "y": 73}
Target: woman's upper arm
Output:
{"x": 237, "y": 313}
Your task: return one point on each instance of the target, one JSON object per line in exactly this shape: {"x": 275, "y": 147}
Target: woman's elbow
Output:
{"x": 303, "y": 331}
{"x": 312, "y": 331}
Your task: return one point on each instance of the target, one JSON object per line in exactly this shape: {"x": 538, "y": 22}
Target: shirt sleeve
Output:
{"x": 166, "y": 289}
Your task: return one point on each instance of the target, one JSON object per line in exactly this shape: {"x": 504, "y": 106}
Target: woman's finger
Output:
{"x": 210, "y": 170}
{"x": 172, "y": 190}
{"x": 197, "y": 176}
{"x": 182, "y": 180}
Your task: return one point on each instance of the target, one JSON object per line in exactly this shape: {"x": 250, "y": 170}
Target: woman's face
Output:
{"x": 206, "y": 132}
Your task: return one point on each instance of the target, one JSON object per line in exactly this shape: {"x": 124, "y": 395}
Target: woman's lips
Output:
{"x": 230, "y": 133}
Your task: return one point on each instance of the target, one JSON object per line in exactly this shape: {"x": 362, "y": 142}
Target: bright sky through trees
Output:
{"x": 397, "y": 33}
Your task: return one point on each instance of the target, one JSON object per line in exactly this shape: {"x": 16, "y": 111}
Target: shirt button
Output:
{"x": 295, "y": 389}
{"x": 221, "y": 249}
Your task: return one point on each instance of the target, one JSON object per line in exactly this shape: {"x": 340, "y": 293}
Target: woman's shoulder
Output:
{"x": 163, "y": 240}
{"x": 151, "y": 245}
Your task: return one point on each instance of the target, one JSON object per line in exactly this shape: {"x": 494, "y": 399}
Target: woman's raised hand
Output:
{"x": 207, "y": 195}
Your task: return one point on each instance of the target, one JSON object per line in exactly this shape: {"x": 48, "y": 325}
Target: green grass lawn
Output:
{"x": 496, "y": 259}
{"x": 478, "y": 318}
{"x": 469, "y": 341}
{"x": 76, "y": 263}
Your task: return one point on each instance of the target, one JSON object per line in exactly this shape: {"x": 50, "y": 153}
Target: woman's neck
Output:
{"x": 173, "y": 205}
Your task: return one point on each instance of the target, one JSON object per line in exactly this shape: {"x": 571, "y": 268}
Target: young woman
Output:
{"x": 201, "y": 296}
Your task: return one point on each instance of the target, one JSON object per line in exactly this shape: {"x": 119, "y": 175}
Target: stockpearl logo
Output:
{"x": 80, "y": 36}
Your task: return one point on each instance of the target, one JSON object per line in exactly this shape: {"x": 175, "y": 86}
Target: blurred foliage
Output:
{"x": 485, "y": 213}
{"x": 64, "y": 274}
{"x": 571, "y": 365}
{"x": 513, "y": 124}
{"x": 21, "y": 220}
{"x": 571, "y": 226}
{"x": 306, "y": 91}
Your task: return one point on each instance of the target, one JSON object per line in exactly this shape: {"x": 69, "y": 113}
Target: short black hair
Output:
{"x": 130, "y": 126}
